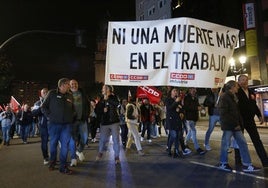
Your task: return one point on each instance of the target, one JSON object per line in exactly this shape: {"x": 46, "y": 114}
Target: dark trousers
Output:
{"x": 93, "y": 127}
{"x": 124, "y": 133}
{"x": 251, "y": 128}
{"x": 146, "y": 127}
{"x": 173, "y": 138}
{"x": 44, "y": 140}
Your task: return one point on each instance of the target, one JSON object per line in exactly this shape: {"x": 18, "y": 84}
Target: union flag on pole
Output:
{"x": 14, "y": 104}
{"x": 152, "y": 93}
{"x": 1, "y": 108}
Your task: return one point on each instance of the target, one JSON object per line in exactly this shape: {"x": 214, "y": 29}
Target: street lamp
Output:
{"x": 234, "y": 70}
{"x": 79, "y": 34}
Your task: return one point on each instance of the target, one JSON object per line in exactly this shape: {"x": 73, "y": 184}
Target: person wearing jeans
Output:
{"x": 192, "y": 107}
{"x": 110, "y": 123}
{"x": 175, "y": 115}
{"x": 42, "y": 120}
{"x": 7, "y": 118}
{"x": 211, "y": 101}
{"x": 231, "y": 126}
{"x": 59, "y": 109}
{"x": 79, "y": 127}
{"x": 25, "y": 118}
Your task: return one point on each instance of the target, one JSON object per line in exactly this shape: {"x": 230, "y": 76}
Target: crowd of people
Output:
{"x": 67, "y": 121}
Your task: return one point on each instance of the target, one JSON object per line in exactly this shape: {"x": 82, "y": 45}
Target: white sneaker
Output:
{"x": 142, "y": 139}
{"x": 46, "y": 161}
{"x": 207, "y": 147}
{"x": 186, "y": 151}
{"x": 149, "y": 140}
{"x": 73, "y": 162}
{"x": 80, "y": 155}
{"x": 140, "y": 153}
{"x": 250, "y": 168}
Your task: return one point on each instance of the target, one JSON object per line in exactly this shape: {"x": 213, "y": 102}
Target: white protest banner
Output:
{"x": 181, "y": 52}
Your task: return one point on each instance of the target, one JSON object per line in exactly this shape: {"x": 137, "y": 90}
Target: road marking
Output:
{"x": 233, "y": 171}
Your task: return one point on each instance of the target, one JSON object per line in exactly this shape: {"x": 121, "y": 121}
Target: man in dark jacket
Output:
{"x": 192, "y": 108}
{"x": 211, "y": 101}
{"x": 110, "y": 123}
{"x": 248, "y": 110}
{"x": 42, "y": 121}
{"x": 79, "y": 128}
{"x": 59, "y": 109}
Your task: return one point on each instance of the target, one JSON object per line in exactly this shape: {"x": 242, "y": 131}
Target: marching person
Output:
{"x": 132, "y": 119}
{"x": 248, "y": 109}
{"x": 231, "y": 126}
{"x": 59, "y": 109}
{"x": 42, "y": 120}
{"x": 79, "y": 127}
{"x": 7, "y": 118}
{"x": 110, "y": 123}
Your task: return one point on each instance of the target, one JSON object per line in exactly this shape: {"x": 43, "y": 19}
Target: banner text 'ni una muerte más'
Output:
{"x": 181, "y": 52}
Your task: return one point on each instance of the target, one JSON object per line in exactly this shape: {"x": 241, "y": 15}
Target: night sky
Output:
{"x": 47, "y": 57}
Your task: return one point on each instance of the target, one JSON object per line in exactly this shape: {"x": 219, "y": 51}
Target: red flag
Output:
{"x": 152, "y": 93}
{"x": 1, "y": 108}
{"x": 14, "y": 104}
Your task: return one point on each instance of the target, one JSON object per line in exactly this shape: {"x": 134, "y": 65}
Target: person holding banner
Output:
{"x": 110, "y": 122}
{"x": 192, "y": 108}
{"x": 175, "y": 115}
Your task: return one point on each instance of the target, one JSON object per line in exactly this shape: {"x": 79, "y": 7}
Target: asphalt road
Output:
{"x": 21, "y": 165}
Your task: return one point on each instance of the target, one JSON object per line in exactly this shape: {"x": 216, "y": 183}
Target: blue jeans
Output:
{"x": 105, "y": 132}
{"x": 44, "y": 140}
{"x": 62, "y": 133}
{"x": 241, "y": 142}
{"x": 173, "y": 138}
{"x": 213, "y": 119}
{"x": 24, "y": 129}
{"x": 72, "y": 147}
{"x": 5, "y": 132}
{"x": 83, "y": 132}
{"x": 153, "y": 131}
{"x": 79, "y": 135}
{"x": 191, "y": 133}
{"x": 32, "y": 130}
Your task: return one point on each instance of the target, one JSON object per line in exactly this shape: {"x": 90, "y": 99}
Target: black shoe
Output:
{"x": 169, "y": 154}
{"x": 66, "y": 170}
{"x": 200, "y": 151}
{"x": 177, "y": 155}
{"x": 51, "y": 166}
